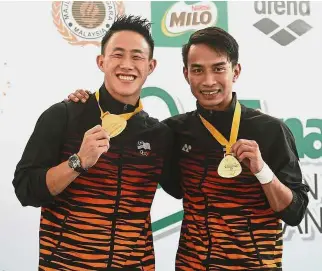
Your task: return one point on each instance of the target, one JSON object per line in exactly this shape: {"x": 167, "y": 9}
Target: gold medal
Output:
{"x": 113, "y": 124}
{"x": 229, "y": 167}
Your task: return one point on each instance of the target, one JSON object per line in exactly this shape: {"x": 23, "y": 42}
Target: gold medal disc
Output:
{"x": 113, "y": 124}
{"x": 229, "y": 167}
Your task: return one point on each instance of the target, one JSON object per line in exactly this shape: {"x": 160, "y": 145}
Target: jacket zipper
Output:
{"x": 59, "y": 238}
{"x": 117, "y": 202}
{"x": 254, "y": 242}
{"x": 207, "y": 224}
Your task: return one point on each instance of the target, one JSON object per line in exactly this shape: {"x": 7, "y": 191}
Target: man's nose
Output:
{"x": 126, "y": 63}
{"x": 209, "y": 80}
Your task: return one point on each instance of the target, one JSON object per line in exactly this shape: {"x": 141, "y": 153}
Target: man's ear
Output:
{"x": 185, "y": 74}
{"x": 236, "y": 71}
{"x": 100, "y": 62}
{"x": 152, "y": 65}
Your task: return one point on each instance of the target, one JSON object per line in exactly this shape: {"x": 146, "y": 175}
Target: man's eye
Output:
{"x": 196, "y": 70}
{"x": 117, "y": 55}
{"x": 219, "y": 69}
{"x": 137, "y": 57}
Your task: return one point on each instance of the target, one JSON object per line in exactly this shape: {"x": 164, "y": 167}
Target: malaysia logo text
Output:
{"x": 85, "y": 22}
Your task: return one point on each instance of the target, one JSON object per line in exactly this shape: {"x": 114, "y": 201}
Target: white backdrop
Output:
{"x": 38, "y": 67}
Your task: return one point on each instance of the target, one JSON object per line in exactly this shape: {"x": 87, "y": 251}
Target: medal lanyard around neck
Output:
{"x": 125, "y": 116}
{"x": 233, "y": 132}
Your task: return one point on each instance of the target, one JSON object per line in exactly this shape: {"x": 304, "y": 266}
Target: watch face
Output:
{"x": 74, "y": 162}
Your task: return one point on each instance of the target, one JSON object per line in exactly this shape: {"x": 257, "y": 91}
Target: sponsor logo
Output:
{"x": 283, "y": 34}
{"x": 173, "y": 22}
{"x": 186, "y": 148}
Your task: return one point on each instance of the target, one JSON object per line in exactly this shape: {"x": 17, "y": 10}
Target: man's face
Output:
{"x": 210, "y": 75}
{"x": 126, "y": 64}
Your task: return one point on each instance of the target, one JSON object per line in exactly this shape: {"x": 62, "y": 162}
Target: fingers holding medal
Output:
{"x": 95, "y": 142}
{"x": 248, "y": 152}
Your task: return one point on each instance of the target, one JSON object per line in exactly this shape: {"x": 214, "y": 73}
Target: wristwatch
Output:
{"x": 75, "y": 164}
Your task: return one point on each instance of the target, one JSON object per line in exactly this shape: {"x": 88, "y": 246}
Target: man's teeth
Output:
{"x": 210, "y": 92}
{"x": 126, "y": 77}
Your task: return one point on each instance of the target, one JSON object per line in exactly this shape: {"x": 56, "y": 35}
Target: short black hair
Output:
{"x": 132, "y": 23}
{"x": 216, "y": 38}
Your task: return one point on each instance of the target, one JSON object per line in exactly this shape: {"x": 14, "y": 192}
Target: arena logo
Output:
{"x": 283, "y": 35}
{"x": 85, "y": 22}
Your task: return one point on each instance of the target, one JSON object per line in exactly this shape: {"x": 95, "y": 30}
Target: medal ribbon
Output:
{"x": 125, "y": 116}
{"x": 233, "y": 132}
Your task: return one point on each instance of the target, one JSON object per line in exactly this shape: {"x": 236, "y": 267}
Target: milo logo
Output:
{"x": 181, "y": 18}
{"x": 173, "y": 22}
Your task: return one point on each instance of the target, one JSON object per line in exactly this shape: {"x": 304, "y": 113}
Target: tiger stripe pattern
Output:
{"x": 105, "y": 215}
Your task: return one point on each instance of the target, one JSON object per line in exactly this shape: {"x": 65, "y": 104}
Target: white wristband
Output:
{"x": 266, "y": 175}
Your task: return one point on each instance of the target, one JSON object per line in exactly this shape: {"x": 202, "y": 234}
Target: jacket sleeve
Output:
{"x": 286, "y": 166}
{"x": 170, "y": 180}
{"x": 41, "y": 153}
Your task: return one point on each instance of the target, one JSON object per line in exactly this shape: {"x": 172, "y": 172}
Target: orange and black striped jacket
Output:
{"x": 228, "y": 223}
{"x": 101, "y": 221}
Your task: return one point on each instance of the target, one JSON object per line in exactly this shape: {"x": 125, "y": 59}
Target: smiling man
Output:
{"x": 96, "y": 196}
{"x": 241, "y": 177}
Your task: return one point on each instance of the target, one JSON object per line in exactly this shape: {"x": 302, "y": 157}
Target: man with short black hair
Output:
{"x": 241, "y": 177}
{"x": 94, "y": 168}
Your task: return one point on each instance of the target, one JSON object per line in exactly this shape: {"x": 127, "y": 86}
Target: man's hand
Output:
{"x": 79, "y": 95}
{"x": 278, "y": 194}
{"x": 95, "y": 142}
{"x": 247, "y": 151}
